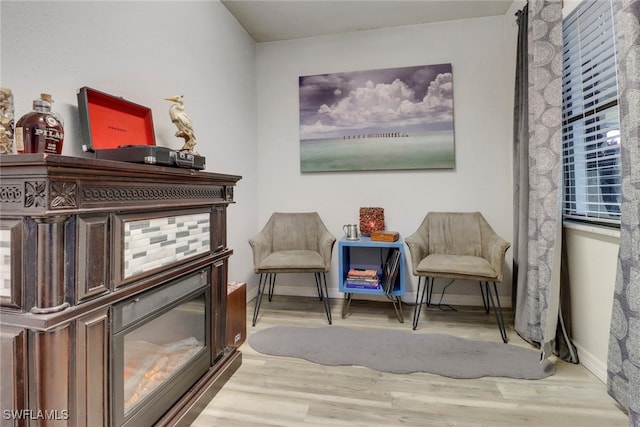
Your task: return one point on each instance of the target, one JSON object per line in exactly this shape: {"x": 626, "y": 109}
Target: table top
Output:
{"x": 366, "y": 241}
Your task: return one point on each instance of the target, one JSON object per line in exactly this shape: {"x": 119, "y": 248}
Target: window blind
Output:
{"x": 590, "y": 121}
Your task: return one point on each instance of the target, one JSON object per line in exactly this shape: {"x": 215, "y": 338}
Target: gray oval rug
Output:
{"x": 402, "y": 352}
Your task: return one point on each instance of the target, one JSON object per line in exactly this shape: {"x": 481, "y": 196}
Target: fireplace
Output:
{"x": 161, "y": 347}
{"x": 113, "y": 292}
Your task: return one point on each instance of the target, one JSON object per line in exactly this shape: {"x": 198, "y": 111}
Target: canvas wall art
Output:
{"x": 386, "y": 119}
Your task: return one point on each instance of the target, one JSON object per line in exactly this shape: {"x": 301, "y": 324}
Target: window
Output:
{"x": 590, "y": 123}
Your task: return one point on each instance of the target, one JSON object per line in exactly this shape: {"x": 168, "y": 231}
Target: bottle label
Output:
{"x": 19, "y": 140}
{"x": 48, "y": 134}
{"x": 51, "y": 121}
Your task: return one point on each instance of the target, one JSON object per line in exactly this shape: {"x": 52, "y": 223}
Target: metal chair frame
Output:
{"x": 270, "y": 279}
{"x": 488, "y": 301}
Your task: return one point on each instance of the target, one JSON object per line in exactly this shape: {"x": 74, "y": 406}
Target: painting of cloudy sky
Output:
{"x": 396, "y": 118}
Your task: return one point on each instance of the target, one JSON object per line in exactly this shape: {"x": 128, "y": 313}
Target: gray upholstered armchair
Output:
{"x": 292, "y": 243}
{"x": 458, "y": 245}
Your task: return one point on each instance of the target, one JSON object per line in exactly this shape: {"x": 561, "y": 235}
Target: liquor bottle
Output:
{"x": 39, "y": 131}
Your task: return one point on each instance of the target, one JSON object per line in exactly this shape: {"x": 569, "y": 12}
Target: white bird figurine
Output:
{"x": 183, "y": 123}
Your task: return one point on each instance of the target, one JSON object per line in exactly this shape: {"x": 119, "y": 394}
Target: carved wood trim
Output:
{"x": 119, "y": 194}
{"x": 64, "y": 195}
{"x": 58, "y": 195}
{"x": 11, "y": 194}
{"x": 35, "y": 194}
{"x": 42, "y": 195}
{"x": 228, "y": 194}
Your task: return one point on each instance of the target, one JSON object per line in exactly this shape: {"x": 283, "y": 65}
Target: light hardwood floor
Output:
{"x": 279, "y": 391}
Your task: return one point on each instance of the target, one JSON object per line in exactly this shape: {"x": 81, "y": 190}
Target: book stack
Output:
{"x": 361, "y": 278}
{"x": 390, "y": 270}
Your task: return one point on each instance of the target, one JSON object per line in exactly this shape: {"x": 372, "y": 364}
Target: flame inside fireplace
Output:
{"x": 148, "y": 365}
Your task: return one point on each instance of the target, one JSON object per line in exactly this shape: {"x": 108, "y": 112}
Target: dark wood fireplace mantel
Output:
{"x": 67, "y": 255}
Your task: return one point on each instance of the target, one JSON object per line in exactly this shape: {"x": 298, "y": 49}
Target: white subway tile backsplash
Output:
{"x": 5, "y": 263}
{"x": 158, "y": 242}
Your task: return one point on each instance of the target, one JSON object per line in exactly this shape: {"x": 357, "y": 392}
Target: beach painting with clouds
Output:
{"x": 387, "y": 119}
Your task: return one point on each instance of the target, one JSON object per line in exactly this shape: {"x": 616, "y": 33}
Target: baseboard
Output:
{"x": 458, "y": 299}
{"x": 594, "y": 365}
{"x": 408, "y": 298}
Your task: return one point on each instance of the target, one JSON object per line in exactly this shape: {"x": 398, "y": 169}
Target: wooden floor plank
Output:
{"x": 280, "y": 391}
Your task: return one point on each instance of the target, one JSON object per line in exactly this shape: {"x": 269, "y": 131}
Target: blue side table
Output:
{"x": 369, "y": 254}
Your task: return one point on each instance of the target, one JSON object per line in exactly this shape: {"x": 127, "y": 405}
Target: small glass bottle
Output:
{"x": 39, "y": 131}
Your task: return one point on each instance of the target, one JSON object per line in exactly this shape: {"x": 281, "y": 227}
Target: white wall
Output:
{"x": 145, "y": 52}
{"x": 482, "y": 54}
{"x": 592, "y": 260}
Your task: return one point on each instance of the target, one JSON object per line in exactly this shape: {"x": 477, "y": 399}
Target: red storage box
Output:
{"x": 116, "y": 129}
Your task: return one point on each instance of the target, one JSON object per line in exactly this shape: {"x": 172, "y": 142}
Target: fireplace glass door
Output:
{"x": 161, "y": 348}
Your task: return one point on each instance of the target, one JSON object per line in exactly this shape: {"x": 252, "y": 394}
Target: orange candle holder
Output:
{"x": 371, "y": 219}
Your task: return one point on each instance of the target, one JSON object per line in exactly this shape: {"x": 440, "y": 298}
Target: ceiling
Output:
{"x": 270, "y": 20}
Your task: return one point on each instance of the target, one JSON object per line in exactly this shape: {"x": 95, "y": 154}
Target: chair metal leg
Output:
{"x": 325, "y": 297}
{"x": 317, "y": 277}
{"x": 417, "y": 305}
{"x": 497, "y": 308}
{"x": 430, "y": 282}
{"x": 485, "y": 302}
{"x": 272, "y": 285}
{"x": 262, "y": 283}
{"x": 419, "y": 300}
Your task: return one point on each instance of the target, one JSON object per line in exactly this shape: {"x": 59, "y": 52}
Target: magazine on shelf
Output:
{"x": 363, "y": 272}
{"x": 390, "y": 270}
{"x": 360, "y": 284}
{"x": 362, "y": 280}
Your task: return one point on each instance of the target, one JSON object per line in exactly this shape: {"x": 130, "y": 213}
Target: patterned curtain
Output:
{"x": 537, "y": 179}
{"x": 623, "y": 366}
{"x": 520, "y": 164}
